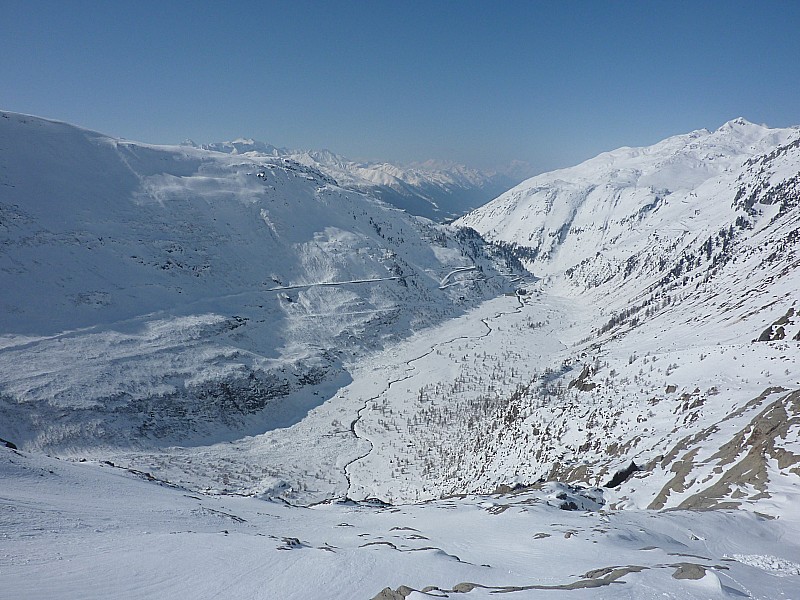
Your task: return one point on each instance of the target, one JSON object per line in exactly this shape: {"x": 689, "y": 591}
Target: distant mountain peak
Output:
{"x": 436, "y": 189}
{"x": 740, "y": 122}
{"x": 742, "y": 127}
{"x": 244, "y": 145}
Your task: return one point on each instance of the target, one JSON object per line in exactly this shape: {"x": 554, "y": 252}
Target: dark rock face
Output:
{"x": 777, "y": 330}
{"x": 623, "y": 475}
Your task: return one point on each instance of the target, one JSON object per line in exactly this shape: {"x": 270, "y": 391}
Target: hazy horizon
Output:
{"x": 547, "y": 84}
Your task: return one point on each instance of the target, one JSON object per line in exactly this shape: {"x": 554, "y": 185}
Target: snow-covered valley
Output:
{"x": 227, "y": 376}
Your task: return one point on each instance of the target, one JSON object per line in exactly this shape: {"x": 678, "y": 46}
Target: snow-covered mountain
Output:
{"x": 612, "y": 207}
{"x": 439, "y": 190}
{"x": 682, "y": 257}
{"x": 153, "y": 295}
{"x": 184, "y": 327}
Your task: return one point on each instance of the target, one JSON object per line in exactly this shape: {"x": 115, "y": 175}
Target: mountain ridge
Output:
{"x": 437, "y": 189}
{"x": 232, "y": 353}
{"x": 699, "y": 268}
{"x": 551, "y": 211}
{"x": 174, "y": 287}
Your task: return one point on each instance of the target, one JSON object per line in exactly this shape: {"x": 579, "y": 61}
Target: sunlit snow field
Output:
{"x": 228, "y": 376}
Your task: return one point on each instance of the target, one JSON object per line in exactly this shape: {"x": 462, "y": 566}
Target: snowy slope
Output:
{"x": 156, "y": 295}
{"x": 438, "y": 190}
{"x": 622, "y": 202}
{"x": 235, "y": 325}
{"x": 681, "y": 261}
{"x": 92, "y": 531}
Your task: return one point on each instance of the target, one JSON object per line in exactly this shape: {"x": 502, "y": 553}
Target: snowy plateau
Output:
{"x": 229, "y": 374}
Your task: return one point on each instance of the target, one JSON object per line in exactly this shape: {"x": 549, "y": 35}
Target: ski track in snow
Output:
{"x": 301, "y": 286}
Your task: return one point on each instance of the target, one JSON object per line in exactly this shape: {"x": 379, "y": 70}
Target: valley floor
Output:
{"x": 288, "y": 513}
{"x": 351, "y": 444}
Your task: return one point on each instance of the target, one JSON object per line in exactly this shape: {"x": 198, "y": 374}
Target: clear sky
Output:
{"x": 484, "y": 83}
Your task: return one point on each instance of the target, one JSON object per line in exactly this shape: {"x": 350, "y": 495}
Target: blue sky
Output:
{"x": 550, "y": 83}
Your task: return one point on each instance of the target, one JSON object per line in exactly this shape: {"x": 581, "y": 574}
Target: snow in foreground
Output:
{"x": 90, "y": 530}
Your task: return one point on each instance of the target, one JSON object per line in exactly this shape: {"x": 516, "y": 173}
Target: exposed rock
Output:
{"x": 389, "y": 594}
{"x": 777, "y": 331}
{"x": 623, "y": 475}
{"x": 757, "y": 442}
{"x": 689, "y": 571}
{"x": 582, "y": 383}
{"x": 681, "y": 469}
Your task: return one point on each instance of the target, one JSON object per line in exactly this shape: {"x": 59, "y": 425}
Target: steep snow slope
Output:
{"x": 438, "y": 190}
{"x": 623, "y": 202}
{"x": 681, "y": 354}
{"x": 161, "y": 295}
